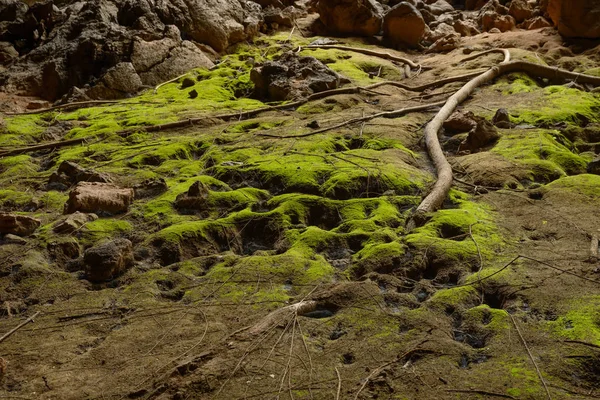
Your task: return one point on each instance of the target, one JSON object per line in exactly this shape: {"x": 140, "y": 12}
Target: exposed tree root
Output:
{"x": 444, "y": 171}
{"x": 279, "y": 315}
{"x": 380, "y": 54}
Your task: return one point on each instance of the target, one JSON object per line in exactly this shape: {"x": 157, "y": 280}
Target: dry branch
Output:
{"x": 385, "y": 56}
{"x": 444, "y": 171}
{"x": 28, "y": 320}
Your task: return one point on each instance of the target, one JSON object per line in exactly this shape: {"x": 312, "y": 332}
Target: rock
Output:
{"x": 491, "y": 20}
{"x": 593, "y": 166}
{"x": 123, "y": 78}
{"x": 536, "y": 23}
{"x": 475, "y": 4}
{"x": 7, "y": 53}
{"x": 73, "y": 222}
{"x": 501, "y": 119}
{"x": 292, "y": 76}
{"x": 466, "y": 28}
{"x": 403, "y": 24}
{"x": 520, "y": 10}
{"x": 150, "y": 188}
{"x": 445, "y": 44}
{"x": 351, "y": 17}
{"x": 194, "y": 199}
{"x": 441, "y": 31}
{"x": 576, "y": 18}
{"x": 70, "y": 173}
{"x": 64, "y": 250}
{"x": 281, "y": 17}
{"x": 13, "y": 239}
{"x": 20, "y": 225}
{"x": 108, "y": 260}
{"x": 104, "y": 198}
{"x": 460, "y": 122}
{"x": 439, "y": 7}
{"x": 187, "y": 82}
{"x": 193, "y": 94}
{"x": 483, "y": 134}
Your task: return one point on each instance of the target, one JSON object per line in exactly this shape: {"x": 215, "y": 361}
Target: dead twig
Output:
{"x": 27, "y": 321}
{"x": 482, "y": 392}
{"x": 339, "y": 387}
{"x": 537, "y": 369}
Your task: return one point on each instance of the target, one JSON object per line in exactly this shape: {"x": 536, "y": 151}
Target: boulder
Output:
{"x": 466, "y": 28}
{"x": 520, "y": 10}
{"x": 70, "y": 173}
{"x": 20, "y": 225}
{"x": 491, "y": 20}
{"x": 150, "y": 188}
{"x": 122, "y": 78}
{"x": 460, "y": 122}
{"x": 593, "y": 166}
{"x": 536, "y": 23}
{"x": 483, "y": 134}
{"x": 108, "y": 260}
{"x": 403, "y": 25}
{"x": 501, "y": 119}
{"x": 351, "y": 17}
{"x": 576, "y": 18}
{"x": 99, "y": 198}
{"x": 73, "y": 222}
{"x": 292, "y": 76}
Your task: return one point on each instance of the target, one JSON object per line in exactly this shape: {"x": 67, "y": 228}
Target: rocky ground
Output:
{"x": 229, "y": 214}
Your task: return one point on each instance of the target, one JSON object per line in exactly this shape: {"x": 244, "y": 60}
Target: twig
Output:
{"x": 169, "y": 81}
{"x": 482, "y": 392}
{"x": 28, "y": 320}
{"x": 339, "y": 387}
{"x": 531, "y": 357}
{"x": 594, "y": 247}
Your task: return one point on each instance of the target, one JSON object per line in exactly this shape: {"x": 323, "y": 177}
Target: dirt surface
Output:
{"x": 496, "y": 296}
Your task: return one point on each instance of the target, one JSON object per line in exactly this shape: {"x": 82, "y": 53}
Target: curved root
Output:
{"x": 281, "y": 314}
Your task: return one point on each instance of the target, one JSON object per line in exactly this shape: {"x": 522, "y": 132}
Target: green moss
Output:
{"x": 454, "y": 297}
{"x": 544, "y": 152}
{"x": 10, "y": 198}
{"x": 581, "y": 323}
{"x": 585, "y": 184}
{"x": 496, "y": 320}
{"x": 593, "y": 71}
{"x": 100, "y": 229}
{"x": 560, "y": 104}
{"x": 22, "y": 129}
{"x": 516, "y": 83}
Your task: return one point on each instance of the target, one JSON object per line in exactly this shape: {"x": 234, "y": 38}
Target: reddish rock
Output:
{"x": 93, "y": 197}
{"x": 482, "y": 135}
{"x": 503, "y": 23}
{"x": 466, "y": 28}
{"x": 20, "y": 225}
{"x": 404, "y": 25}
{"x": 460, "y": 122}
{"x": 520, "y": 10}
{"x": 576, "y": 18}
{"x": 108, "y": 260}
{"x": 351, "y": 17}
{"x": 536, "y": 23}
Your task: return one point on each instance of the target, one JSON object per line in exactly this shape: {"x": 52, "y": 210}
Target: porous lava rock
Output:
{"x": 292, "y": 76}
{"x": 108, "y": 260}
{"x": 99, "y": 198}
{"x": 351, "y": 17}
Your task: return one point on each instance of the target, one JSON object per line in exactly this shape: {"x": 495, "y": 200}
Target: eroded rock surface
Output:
{"x": 92, "y": 197}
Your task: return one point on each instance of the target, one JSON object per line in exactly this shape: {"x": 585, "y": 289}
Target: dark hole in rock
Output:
{"x": 338, "y": 332}
{"x": 477, "y": 340}
{"x": 324, "y": 217}
{"x": 165, "y": 284}
{"x": 452, "y": 232}
{"x": 173, "y": 295}
{"x": 318, "y": 314}
{"x": 348, "y": 358}
{"x": 258, "y": 234}
{"x": 422, "y": 295}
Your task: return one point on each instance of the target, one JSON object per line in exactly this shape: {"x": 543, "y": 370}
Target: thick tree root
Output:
{"x": 440, "y": 190}
{"x": 385, "y": 56}
{"x": 282, "y": 314}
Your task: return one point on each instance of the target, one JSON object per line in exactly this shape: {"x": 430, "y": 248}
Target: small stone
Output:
{"x": 313, "y": 125}
{"x": 193, "y": 94}
{"x": 70, "y": 173}
{"x": 501, "y": 119}
{"x": 108, "y": 260}
{"x": 20, "y": 225}
{"x": 73, "y": 222}
{"x": 13, "y": 239}
{"x": 482, "y": 135}
{"x": 460, "y": 122}
{"x": 594, "y": 166}
{"x": 93, "y": 197}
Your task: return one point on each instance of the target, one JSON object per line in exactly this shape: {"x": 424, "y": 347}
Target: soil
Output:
{"x": 497, "y": 286}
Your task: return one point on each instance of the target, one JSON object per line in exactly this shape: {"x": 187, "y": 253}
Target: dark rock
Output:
{"x": 292, "y": 76}
{"x": 404, "y": 25}
{"x": 70, "y": 173}
{"x": 20, "y": 225}
{"x": 351, "y": 17}
{"x": 150, "y": 188}
{"x": 13, "y": 239}
{"x": 193, "y": 94}
{"x": 194, "y": 199}
{"x": 460, "y": 122}
{"x": 7, "y": 53}
{"x": 108, "y": 260}
{"x": 501, "y": 119}
{"x": 73, "y": 222}
{"x": 482, "y": 135}
{"x": 104, "y": 198}
{"x": 593, "y": 166}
